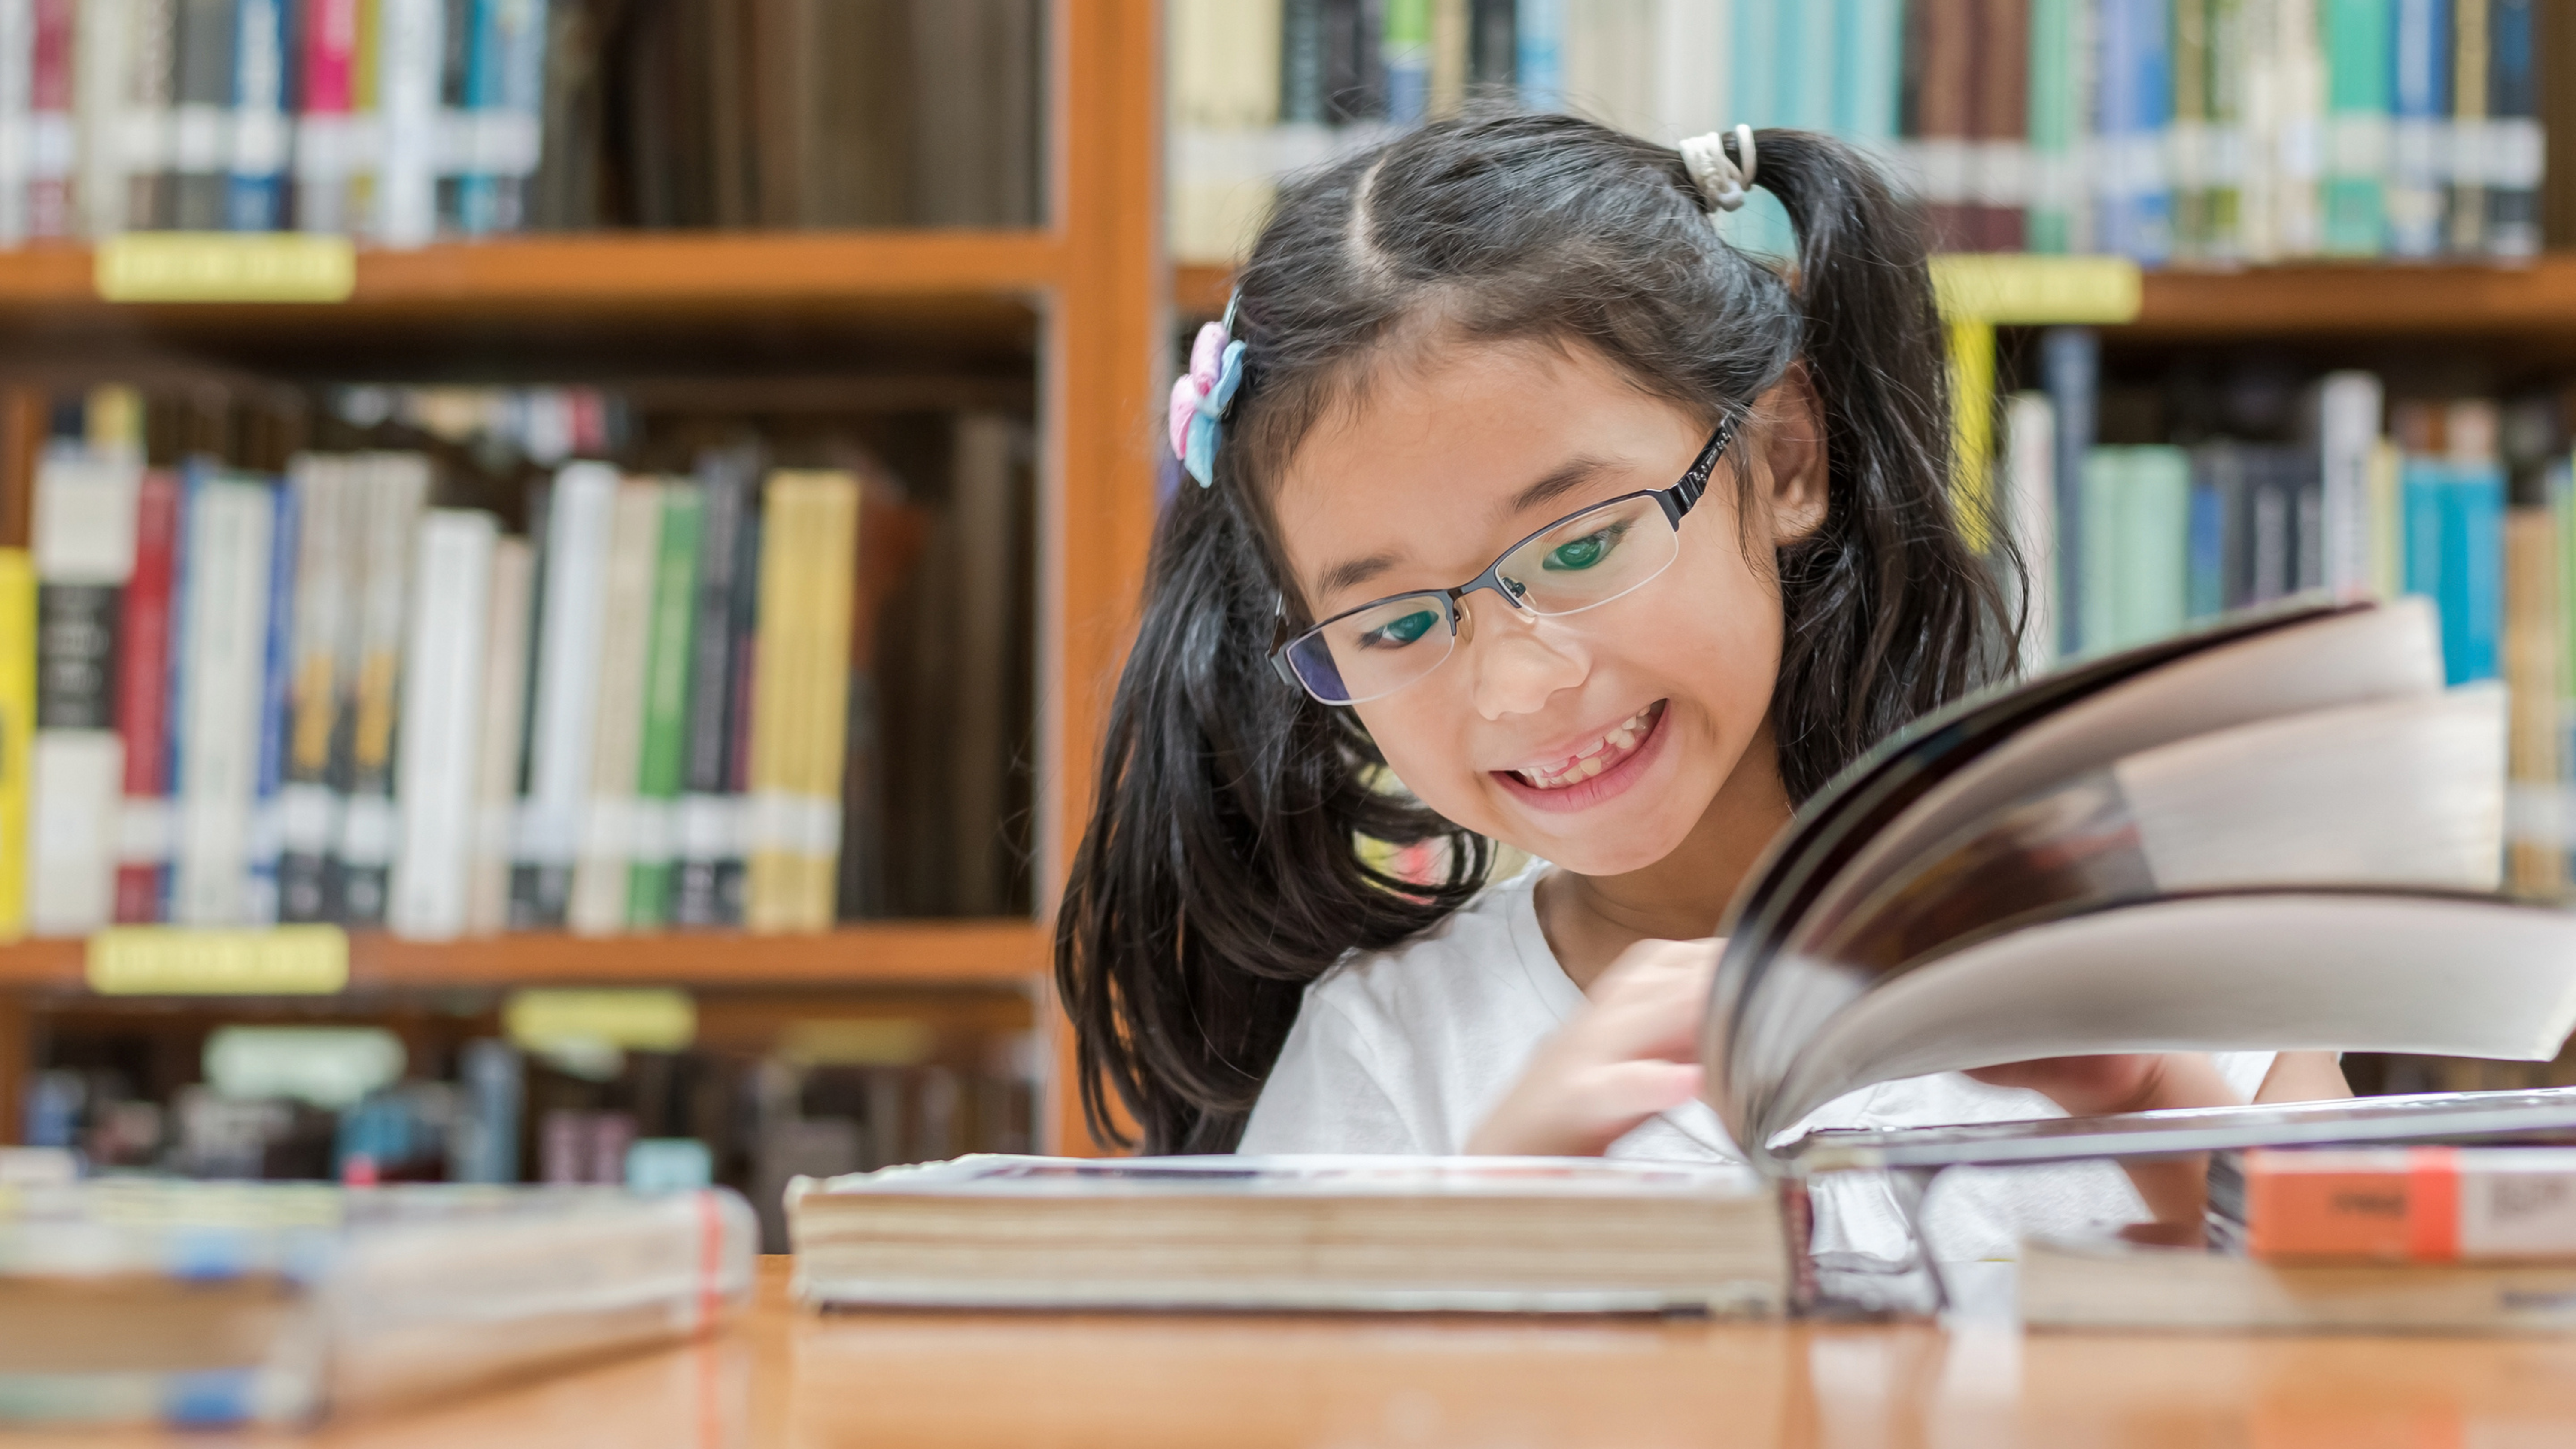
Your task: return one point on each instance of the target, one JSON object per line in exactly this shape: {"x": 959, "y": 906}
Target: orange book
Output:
{"x": 2407, "y": 1204}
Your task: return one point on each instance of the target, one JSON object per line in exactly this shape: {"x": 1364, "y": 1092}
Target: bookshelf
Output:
{"x": 1068, "y": 316}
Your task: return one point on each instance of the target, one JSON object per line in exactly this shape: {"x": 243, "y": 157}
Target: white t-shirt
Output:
{"x": 1407, "y": 1051}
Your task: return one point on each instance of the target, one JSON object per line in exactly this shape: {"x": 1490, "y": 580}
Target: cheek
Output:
{"x": 1424, "y": 736}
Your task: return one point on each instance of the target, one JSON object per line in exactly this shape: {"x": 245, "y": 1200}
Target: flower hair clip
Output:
{"x": 1201, "y": 396}
{"x": 1721, "y": 178}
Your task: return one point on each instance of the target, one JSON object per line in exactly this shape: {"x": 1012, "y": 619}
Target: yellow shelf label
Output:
{"x": 649, "y": 1020}
{"x": 2017, "y": 289}
{"x": 202, "y": 266}
{"x": 183, "y": 961}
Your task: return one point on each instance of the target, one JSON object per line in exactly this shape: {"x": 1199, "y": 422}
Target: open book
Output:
{"x": 2279, "y": 833}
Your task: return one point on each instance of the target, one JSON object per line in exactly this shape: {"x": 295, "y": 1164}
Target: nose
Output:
{"x": 1520, "y": 661}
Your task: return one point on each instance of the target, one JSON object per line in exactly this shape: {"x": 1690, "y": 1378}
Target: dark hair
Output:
{"x": 1219, "y": 873}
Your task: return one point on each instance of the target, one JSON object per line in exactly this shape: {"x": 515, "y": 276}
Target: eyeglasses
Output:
{"x": 1579, "y": 562}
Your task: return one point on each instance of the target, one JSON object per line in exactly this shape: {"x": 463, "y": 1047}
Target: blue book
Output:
{"x": 1538, "y": 30}
{"x": 193, "y": 477}
{"x": 1807, "y": 64}
{"x": 2205, "y": 588}
{"x": 262, "y": 122}
{"x": 1760, "y": 92}
{"x": 2422, "y": 483}
{"x": 2070, "y": 370}
{"x": 1869, "y": 71}
{"x": 276, "y": 691}
{"x": 2472, "y": 597}
{"x": 2133, "y": 111}
{"x": 2517, "y": 143}
{"x": 2420, "y": 108}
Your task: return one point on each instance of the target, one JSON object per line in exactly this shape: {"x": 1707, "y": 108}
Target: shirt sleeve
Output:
{"x": 1324, "y": 1094}
{"x": 2244, "y": 1071}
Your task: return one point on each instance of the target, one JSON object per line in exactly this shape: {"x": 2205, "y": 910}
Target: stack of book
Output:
{"x": 402, "y": 121}
{"x": 316, "y": 697}
{"x": 2207, "y": 132}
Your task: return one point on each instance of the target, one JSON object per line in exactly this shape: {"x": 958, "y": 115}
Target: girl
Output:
{"x": 1701, "y": 516}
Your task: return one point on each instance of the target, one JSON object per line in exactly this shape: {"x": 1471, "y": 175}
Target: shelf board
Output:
{"x": 2319, "y": 300}
{"x": 893, "y": 953}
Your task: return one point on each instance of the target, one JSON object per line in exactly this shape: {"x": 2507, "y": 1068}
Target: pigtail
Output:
{"x": 1220, "y": 871}
{"x": 1888, "y": 612}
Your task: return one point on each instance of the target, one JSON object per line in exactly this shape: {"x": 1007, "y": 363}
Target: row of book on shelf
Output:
{"x": 2202, "y": 132}
{"x": 315, "y": 697}
{"x": 2131, "y": 542}
{"x": 399, "y": 121}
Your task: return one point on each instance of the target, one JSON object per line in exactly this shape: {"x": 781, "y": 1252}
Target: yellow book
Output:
{"x": 800, "y": 692}
{"x": 17, "y": 731}
{"x": 835, "y": 541}
{"x": 767, "y": 863}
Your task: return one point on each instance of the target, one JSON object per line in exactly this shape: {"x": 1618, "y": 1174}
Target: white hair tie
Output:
{"x": 1720, "y": 178}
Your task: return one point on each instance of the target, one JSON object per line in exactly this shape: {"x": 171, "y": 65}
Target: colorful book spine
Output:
{"x": 2205, "y": 583}
{"x": 2515, "y": 153}
{"x": 662, "y": 762}
{"x": 1538, "y": 34}
{"x": 442, "y": 709}
{"x": 144, "y": 130}
{"x": 807, "y": 568}
{"x": 201, "y": 104}
{"x": 324, "y": 137}
{"x": 103, "y": 60}
{"x": 1407, "y": 54}
{"x": 2060, "y": 64}
{"x": 2535, "y": 845}
{"x": 2471, "y": 60}
{"x": 2358, "y": 41}
{"x": 144, "y": 826}
{"x": 602, "y": 873}
{"x": 2348, "y": 414}
{"x": 501, "y": 734}
{"x": 53, "y": 143}
{"x": 1869, "y": 73}
{"x": 2419, "y": 127}
{"x": 2132, "y": 100}
{"x": 410, "y": 51}
{"x": 2454, "y": 521}
{"x": 565, "y": 686}
{"x": 261, "y": 125}
{"x": 312, "y": 794}
{"x": 2070, "y": 371}
{"x": 2411, "y": 1204}
{"x": 394, "y": 489}
{"x": 707, "y": 825}
{"x": 1301, "y": 63}
{"x": 276, "y": 694}
{"x": 17, "y": 732}
{"x": 2223, "y": 148}
{"x": 17, "y": 76}
{"x": 2187, "y": 137}
{"x": 84, "y": 556}
{"x": 219, "y": 661}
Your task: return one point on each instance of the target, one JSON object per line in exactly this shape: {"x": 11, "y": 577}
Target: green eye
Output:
{"x": 1581, "y": 553}
{"x": 1396, "y": 633}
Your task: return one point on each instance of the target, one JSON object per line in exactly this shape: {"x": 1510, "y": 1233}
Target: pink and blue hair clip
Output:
{"x": 1201, "y": 396}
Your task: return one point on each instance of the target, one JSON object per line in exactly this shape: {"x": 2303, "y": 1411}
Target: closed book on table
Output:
{"x": 2107, "y": 1283}
{"x": 84, "y": 556}
{"x": 2429, "y": 1204}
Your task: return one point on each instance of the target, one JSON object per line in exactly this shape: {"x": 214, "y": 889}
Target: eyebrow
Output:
{"x": 1352, "y": 572}
{"x": 1568, "y": 476}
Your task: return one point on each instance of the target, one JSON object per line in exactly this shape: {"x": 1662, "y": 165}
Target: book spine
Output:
{"x": 256, "y": 200}
{"x": 2206, "y": 588}
{"x": 275, "y": 698}
{"x": 473, "y": 97}
{"x": 2223, "y": 141}
{"x": 2348, "y": 407}
{"x": 323, "y": 139}
{"x": 224, "y": 635}
{"x": 53, "y": 144}
{"x": 1450, "y": 56}
{"x": 2463, "y": 224}
{"x": 663, "y": 758}
{"x": 2030, "y": 432}
{"x": 601, "y": 874}
{"x": 2515, "y": 152}
{"x": 1493, "y": 44}
{"x": 705, "y": 815}
{"x": 2188, "y": 136}
{"x": 2414, "y": 1205}
{"x": 143, "y": 823}
{"x": 2358, "y": 41}
{"x": 2419, "y": 127}
{"x": 770, "y": 857}
{"x": 2000, "y": 116}
{"x": 103, "y": 56}
{"x": 309, "y": 797}
{"x": 2535, "y": 856}
{"x": 2473, "y": 570}
{"x": 1405, "y": 47}
{"x": 1538, "y": 39}
{"x": 409, "y": 54}
{"x": 2070, "y": 371}
{"x": 1301, "y": 62}
{"x": 17, "y": 62}
{"x": 202, "y": 99}
{"x": 395, "y": 488}
{"x": 442, "y": 712}
{"x": 565, "y": 687}
{"x": 834, "y": 543}
{"x": 84, "y": 555}
{"x": 510, "y": 139}
{"x": 2155, "y": 542}
{"x": 501, "y": 734}
{"x": 17, "y": 733}
{"x": 733, "y": 870}
{"x": 1869, "y": 73}
{"x": 144, "y": 127}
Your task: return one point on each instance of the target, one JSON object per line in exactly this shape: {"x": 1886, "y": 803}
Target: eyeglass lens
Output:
{"x": 1586, "y": 560}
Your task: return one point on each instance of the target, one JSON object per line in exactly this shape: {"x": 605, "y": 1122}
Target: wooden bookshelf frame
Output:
{"x": 1096, "y": 278}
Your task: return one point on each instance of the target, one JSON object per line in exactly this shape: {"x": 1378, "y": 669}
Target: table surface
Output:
{"x": 782, "y": 1376}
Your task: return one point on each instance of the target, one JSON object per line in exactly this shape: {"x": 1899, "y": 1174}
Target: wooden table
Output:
{"x": 788, "y": 1378}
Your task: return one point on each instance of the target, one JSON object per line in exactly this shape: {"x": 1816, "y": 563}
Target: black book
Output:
{"x": 705, "y": 824}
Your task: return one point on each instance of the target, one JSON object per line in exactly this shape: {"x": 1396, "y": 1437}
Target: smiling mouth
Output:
{"x": 1601, "y": 754}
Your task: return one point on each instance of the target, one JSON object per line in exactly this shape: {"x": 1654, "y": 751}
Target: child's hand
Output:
{"x": 1632, "y": 1052}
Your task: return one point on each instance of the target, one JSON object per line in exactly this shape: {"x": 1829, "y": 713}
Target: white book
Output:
{"x": 548, "y": 837}
{"x": 436, "y": 772}
{"x": 409, "y": 51}
{"x": 2348, "y": 409}
{"x": 222, "y": 664}
{"x": 502, "y": 735}
{"x": 617, "y": 733}
{"x": 393, "y": 489}
{"x": 103, "y": 55}
{"x": 83, "y": 537}
{"x": 2030, "y": 511}
{"x": 17, "y": 116}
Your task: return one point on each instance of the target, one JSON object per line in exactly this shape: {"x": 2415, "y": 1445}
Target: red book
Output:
{"x": 52, "y": 141}
{"x": 142, "y": 702}
{"x": 2411, "y": 1204}
{"x": 323, "y": 145}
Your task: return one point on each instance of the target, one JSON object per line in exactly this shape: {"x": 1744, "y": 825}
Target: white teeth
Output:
{"x": 1593, "y": 758}
{"x": 1594, "y": 748}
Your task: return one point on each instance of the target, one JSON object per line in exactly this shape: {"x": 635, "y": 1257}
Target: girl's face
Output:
{"x": 1594, "y": 740}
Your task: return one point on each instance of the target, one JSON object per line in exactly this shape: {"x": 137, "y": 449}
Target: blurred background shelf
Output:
{"x": 1010, "y": 954}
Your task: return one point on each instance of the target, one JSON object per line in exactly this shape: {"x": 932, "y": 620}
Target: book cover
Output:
{"x": 706, "y": 828}
{"x": 564, "y": 690}
{"x": 277, "y": 666}
{"x": 144, "y": 825}
{"x": 602, "y": 874}
{"x": 330, "y": 545}
{"x": 2429, "y": 1204}
{"x": 17, "y": 732}
{"x": 220, "y": 662}
{"x": 261, "y": 125}
{"x": 442, "y": 716}
{"x": 393, "y": 489}
{"x": 501, "y": 738}
{"x": 662, "y": 761}
{"x": 2358, "y": 39}
{"x": 83, "y": 552}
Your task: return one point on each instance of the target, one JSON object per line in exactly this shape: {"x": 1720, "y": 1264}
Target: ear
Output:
{"x": 1795, "y": 469}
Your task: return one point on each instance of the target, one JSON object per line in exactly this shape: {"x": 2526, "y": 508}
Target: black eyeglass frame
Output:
{"x": 1675, "y": 501}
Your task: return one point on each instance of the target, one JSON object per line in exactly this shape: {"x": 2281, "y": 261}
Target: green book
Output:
{"x": 666, "y": 707}
{"x": 2153, "y": 592}
{"x": 2188, "y": 140}
{"x": 2224, "y": 147}
{"x": 2097, "y": 553}
{"x": 2057, "y": 111}
{"x": 2360, "y": 39}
